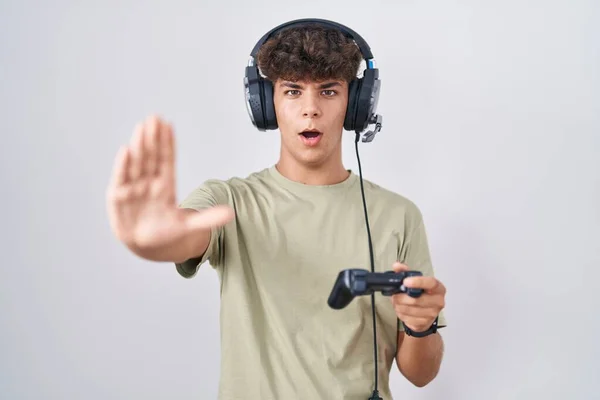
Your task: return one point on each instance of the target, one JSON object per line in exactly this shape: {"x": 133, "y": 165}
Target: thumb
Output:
{"x": 398, "y": 267}
{"x": 210, "y": 218}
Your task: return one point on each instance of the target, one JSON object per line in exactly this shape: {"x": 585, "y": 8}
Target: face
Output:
{"x": 317, "y": 109}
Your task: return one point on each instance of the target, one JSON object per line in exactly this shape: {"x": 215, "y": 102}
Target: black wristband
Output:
{"x": 432, "y": 329}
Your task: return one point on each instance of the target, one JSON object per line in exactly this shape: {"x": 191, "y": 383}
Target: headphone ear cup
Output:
{"x": 254, "y": 97}
{"x": 367, "y": 98}
{"x": 352, "y": 104}
{"x": 269, "y": 105}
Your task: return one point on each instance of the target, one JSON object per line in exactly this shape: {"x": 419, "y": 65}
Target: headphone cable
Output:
{"x": 375, "y": 395}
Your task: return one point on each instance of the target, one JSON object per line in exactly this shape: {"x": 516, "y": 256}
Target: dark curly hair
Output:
{"x": 311, "y": 52}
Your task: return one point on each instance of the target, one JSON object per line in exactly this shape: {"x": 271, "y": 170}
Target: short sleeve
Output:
{"x": 416, "y": 255}
{"x": 207, "y": 195}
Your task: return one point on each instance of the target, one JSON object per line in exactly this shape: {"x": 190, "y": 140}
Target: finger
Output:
{"x": 427, "y": 283}
{"x": 166, "y": 151}
{"x": 398, "y": 267}
{"x": 210, "y": 218}
{"x": 416, "y": 312}
{"x": 423, "y": 301}
{"x": 120, "y": 167}
{"x": 151, "y": 146}
{"x": 136, "y": 150}
{"x": 409, "y": 311}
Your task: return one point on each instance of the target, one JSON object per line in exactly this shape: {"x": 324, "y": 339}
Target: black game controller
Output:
{"x": 360, "y": 282}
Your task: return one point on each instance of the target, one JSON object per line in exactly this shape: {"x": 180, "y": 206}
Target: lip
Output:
{"x": 310, "y": 141}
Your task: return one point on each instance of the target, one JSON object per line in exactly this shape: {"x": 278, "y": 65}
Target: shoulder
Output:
{"x": 223, "y": 190}
{"x": 396, "y": 204}
{"x": 238, "y": 183}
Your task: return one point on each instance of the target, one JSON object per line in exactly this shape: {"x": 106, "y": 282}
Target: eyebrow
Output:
{"x": 326, "y": 85}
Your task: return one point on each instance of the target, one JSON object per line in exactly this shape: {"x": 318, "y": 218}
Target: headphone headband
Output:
{"x": 362, "y": 44}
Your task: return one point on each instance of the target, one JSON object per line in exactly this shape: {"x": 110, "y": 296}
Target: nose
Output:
{"x": 311, "y": 107}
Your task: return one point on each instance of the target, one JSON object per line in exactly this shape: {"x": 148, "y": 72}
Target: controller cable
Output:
{"x": 375, "y": 395}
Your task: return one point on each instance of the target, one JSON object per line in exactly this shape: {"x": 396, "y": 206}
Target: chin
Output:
{"x": 309, "y": 157}
{"x": 312, "y": 160}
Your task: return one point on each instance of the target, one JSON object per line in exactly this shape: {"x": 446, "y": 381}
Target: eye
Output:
{"x": 329, "y": 93}
{"x": 292, "y": 92}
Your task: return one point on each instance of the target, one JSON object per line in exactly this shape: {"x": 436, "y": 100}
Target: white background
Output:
{"x": 491, "y": 125}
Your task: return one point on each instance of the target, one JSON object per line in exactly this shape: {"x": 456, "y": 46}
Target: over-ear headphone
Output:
{"x": 363, "y": 93}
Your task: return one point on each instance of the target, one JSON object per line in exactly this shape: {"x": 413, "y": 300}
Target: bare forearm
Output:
{"x": 419, "y": 359}
{"x": 190, "y": 247}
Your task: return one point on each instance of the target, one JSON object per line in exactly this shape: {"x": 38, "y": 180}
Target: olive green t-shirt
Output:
{"x": 277, "y": 262}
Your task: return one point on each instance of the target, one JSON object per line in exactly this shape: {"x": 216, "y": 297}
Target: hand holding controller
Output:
{"x": 360, "y": 282}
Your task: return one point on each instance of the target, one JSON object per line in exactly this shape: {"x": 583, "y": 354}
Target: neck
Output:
{"x": 329, "y": 173}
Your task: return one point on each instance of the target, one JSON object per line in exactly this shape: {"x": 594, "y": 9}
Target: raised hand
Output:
{"x": 141, "y": 200}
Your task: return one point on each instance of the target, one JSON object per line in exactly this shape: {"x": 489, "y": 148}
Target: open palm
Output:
{"x": 141, "y": 200}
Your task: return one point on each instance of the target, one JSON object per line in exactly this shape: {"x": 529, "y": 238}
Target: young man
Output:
{"x": 279, "y": 237}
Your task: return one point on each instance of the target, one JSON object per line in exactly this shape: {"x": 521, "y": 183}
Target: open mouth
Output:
{"x": 310, "y": 137}
{"x": 310, "y": 133}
